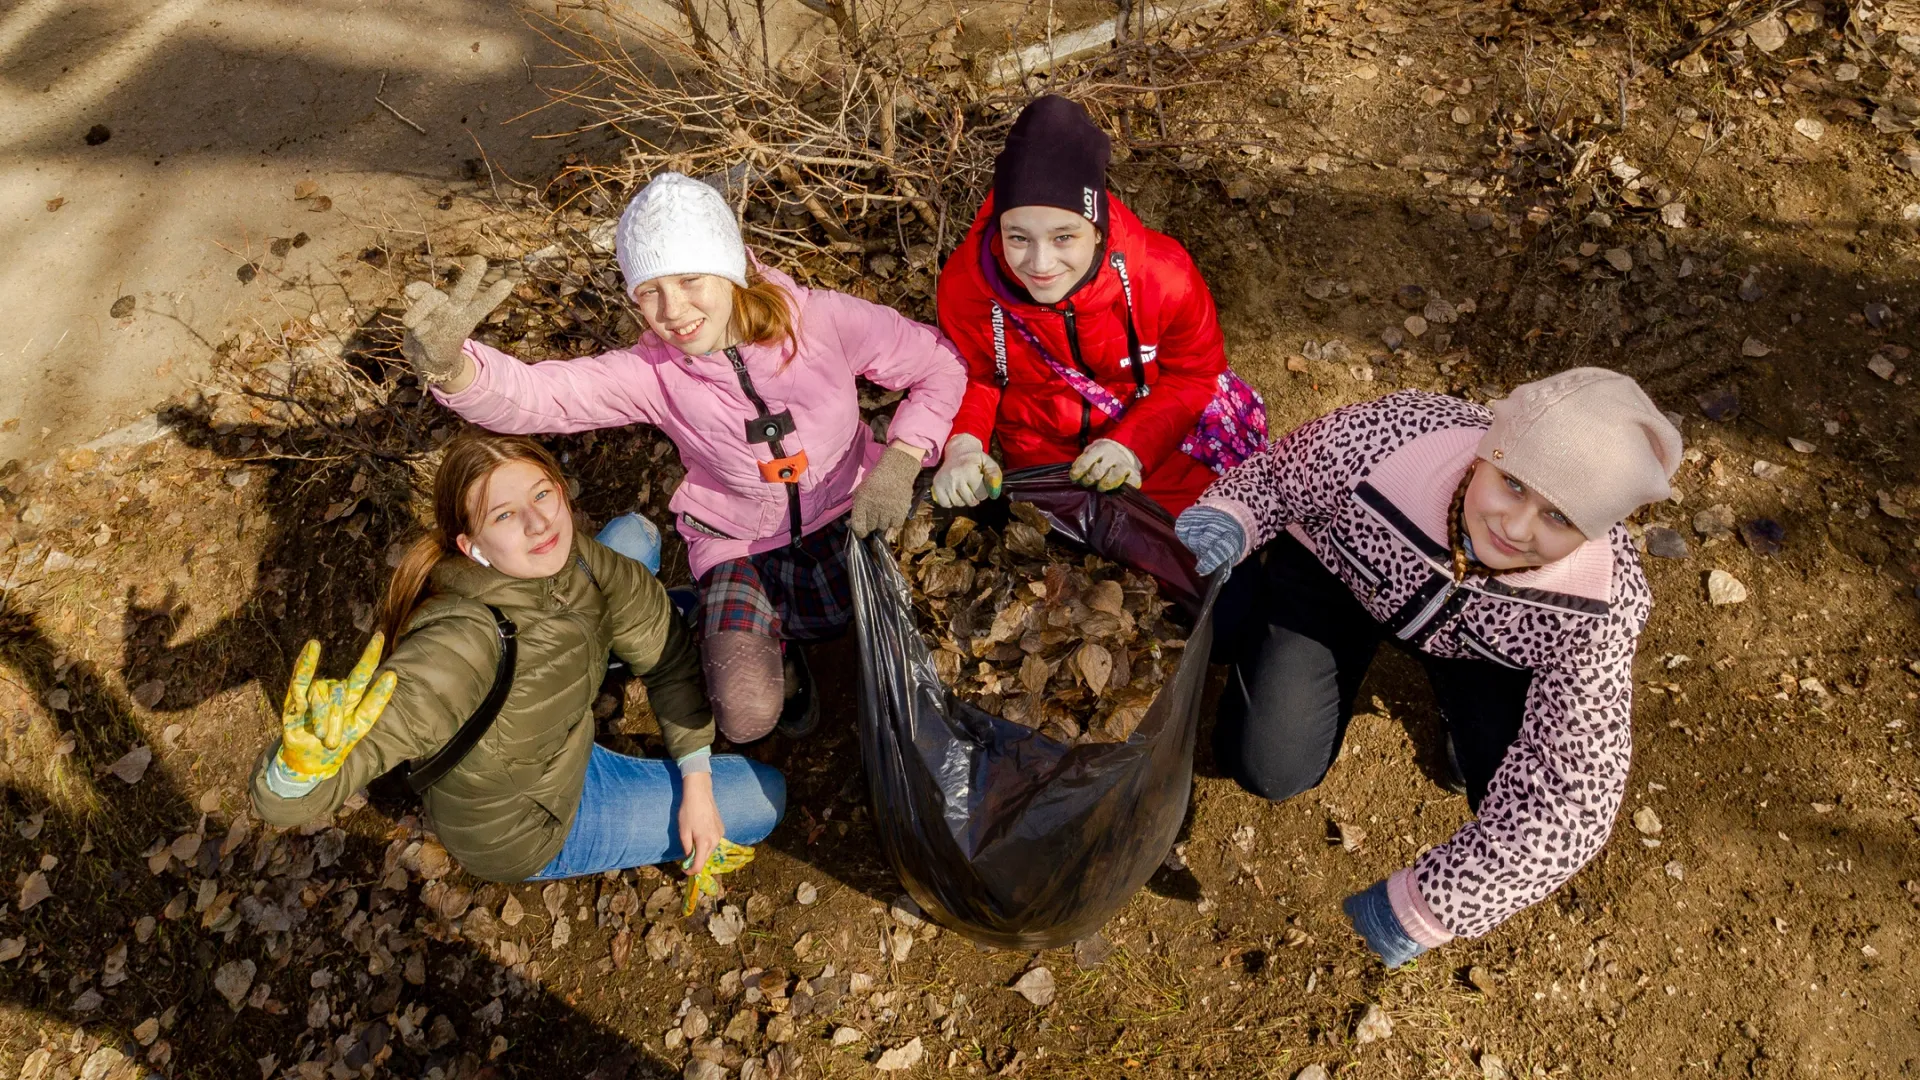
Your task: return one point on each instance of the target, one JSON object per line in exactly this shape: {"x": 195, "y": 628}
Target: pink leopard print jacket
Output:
{"x": 1368, "y": 488}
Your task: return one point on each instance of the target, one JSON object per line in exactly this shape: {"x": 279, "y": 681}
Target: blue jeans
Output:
{"x": 636, "y": 538}
{"x": 629, "y": 811}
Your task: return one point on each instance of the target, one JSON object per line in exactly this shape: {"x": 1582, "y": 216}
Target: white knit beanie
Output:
{"x": 678, "y": 225}
{"x": 1589, "y": 441}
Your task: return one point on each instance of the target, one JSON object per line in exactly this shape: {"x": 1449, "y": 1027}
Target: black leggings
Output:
{"x": 1299, "y": 644}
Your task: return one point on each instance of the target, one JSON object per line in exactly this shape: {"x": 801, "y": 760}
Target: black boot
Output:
{"x": 801, "y": 713}
{"x": 1450, "y": 776}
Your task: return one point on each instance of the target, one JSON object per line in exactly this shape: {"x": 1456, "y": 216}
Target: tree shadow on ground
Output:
{"x": 155, "y": 898}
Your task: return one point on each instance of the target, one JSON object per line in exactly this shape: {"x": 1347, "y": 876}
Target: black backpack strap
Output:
{"x": 424, "y": 775}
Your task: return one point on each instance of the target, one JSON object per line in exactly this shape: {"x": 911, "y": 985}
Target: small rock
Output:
{"x": 1890, "y": 506}
{"x": 1881, "y": 366}
{"x": 1750, "y": 290}
{"x": 1647, "y": 821}
{"x": 1845, "y": 72}
{"x": 1440, "y": 313}
{"x": 1416, "y": 325}
{"x": 1036, "y": 986}
{"x": 847, "y": 1036}
{"x": 1716, "y": 520}
{"x": 1769, "y": 471}
{"x": 1665, "y": 543}
{"x": 1676, "y": 871}
{"x": 1462, "y": 115}
{"x": 1620, "y": 259}
{"x": 1878, "y": 314}
{"x": 1724, "y": 589}
{"x": 1801, "y": 446}
{"x": 1754, "y": 347}
{"x": 1480, "y": 978}
{"x": 904, "y": 1056}
{"x": 1410, "y": 297}
{"x": 1492, "y": 1068}
{"x": 1394, "y": 338}
{"x": 1809, "y": 129}
{"x": 1478, "y": 220}
{"x": 1316, "y": 1071}
{"x": 806, "y": 894}
{"x": 1374, "y": 1026}
{"x": 1296, "y": 363}
{"x": 1674, "y": 216}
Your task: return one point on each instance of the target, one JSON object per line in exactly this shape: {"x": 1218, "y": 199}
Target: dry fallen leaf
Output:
{"x": 512, "y": 912}
{"x": 132, "y": 765}
{"x": 1036, "y": 986}
{"x": 904, "y": 1056}
{"x": 727, "y": 925}
{"x": 35, "y": 890}
{"x": 233, "y": 980}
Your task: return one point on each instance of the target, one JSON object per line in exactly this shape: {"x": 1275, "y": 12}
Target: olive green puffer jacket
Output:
{"x": 504, "y": 811}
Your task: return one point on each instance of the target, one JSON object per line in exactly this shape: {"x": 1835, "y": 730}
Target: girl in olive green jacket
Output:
{"x": 534, "y": 798}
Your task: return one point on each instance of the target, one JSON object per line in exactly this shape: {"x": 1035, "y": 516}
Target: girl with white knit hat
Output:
{"x": 752, "y": 377}
{"x": 1487, "y": 541}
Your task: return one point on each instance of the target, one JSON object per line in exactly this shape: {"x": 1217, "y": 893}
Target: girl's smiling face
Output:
{"x": 1048, "y": 248}
{"x": 691, "y": 312}
{"x": 1511, "y": 525}
{"x": 523, "y": 526}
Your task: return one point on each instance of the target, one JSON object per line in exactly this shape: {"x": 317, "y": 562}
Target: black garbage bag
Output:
{"x": 997, "y": 831}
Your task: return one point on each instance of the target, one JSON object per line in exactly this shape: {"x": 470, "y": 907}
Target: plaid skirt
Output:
{"x": 780, "y": 595}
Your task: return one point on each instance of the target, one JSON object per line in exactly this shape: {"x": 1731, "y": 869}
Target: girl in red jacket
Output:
{"x": 1088, "y": 337}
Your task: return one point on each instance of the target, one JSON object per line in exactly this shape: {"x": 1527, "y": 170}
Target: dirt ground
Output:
{"x": 1755, "y": 914}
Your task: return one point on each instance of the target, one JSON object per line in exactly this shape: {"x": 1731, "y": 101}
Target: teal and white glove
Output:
{"x": 1106, "y": 465}
{"x": 1214, "y": 537}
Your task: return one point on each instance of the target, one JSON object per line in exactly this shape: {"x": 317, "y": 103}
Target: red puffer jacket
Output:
{"x": 1040, "y": 419}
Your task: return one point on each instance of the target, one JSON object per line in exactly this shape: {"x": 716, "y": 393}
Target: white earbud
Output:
{"x": 474, "y": 554}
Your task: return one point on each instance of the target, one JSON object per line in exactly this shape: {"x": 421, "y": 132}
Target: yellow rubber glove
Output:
{"x": 323, "y": 720}
{"x": 725, "y": 859}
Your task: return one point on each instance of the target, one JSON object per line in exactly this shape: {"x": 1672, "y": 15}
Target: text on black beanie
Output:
{"x": 1054, "y": 156}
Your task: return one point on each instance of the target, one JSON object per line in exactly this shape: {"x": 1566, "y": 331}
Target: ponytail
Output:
{"x": 762, "y": 314}
{"x": 408, "y": 586}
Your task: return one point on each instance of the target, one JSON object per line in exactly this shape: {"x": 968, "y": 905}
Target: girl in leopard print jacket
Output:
{"x": 1488, "y": 542}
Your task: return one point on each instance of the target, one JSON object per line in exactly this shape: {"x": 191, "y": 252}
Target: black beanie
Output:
{"x": 1054, "y": 156}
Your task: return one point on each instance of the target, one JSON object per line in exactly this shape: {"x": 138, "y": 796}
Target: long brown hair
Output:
{"x": 471, "y": 457}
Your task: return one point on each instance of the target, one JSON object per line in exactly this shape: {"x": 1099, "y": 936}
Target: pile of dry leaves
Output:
{"x": 1059, "y": 640}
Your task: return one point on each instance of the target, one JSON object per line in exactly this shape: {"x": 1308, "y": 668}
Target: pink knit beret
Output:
{"x": 1589, "y": 441}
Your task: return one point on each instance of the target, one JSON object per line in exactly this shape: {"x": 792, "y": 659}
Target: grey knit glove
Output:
{"x": 885, "y": 498}
{"x": 438, "y": 323}
{"x": 1214, "y": 537}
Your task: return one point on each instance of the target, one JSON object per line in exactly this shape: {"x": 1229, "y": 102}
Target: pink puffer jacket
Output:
{"x": 725, "y": 509}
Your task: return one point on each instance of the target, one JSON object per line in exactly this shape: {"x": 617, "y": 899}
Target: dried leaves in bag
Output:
{"x": 1043, "y": 635}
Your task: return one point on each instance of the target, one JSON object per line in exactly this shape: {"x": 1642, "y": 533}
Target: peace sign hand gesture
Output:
{"x": 324, "y": 719}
